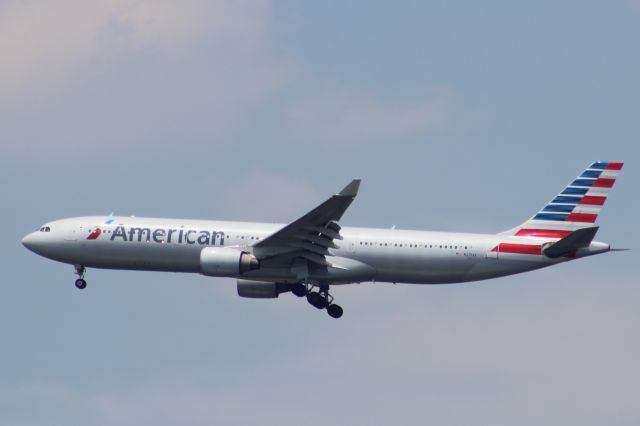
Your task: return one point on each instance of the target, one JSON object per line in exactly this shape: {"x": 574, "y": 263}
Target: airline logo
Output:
{"x": 94, "y": 234}
{"x": 161, "y": 235}
{"x": 582, "y": 200}
{"x": 577, "y": 206}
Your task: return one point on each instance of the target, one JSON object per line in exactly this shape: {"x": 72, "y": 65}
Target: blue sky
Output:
{"x": 460, "y": 116}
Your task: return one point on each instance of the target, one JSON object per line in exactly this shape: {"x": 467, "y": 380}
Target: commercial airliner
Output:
{"x": 308, "y": 255}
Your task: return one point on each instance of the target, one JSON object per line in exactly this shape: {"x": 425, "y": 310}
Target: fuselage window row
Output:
{"x": 452, "y": 247}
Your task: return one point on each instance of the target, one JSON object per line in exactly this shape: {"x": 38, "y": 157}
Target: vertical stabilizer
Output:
{"x": 576, "y": 207}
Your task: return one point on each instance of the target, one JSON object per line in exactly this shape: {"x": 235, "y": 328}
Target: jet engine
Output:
{"x": 267, "y": 289}
{"x": 226, "y": 262}
{"x": 257, "y": 289}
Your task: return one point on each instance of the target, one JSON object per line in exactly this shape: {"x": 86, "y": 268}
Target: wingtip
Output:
{"x": 351, "y": 190}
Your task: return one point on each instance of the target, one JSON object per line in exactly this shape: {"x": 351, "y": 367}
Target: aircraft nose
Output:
{"x": 30, "y": 241}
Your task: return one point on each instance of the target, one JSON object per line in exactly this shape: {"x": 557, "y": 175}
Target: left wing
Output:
{"x": 311, "y": 236}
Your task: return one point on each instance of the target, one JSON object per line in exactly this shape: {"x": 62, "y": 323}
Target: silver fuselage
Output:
{"x": 364, "y": 254}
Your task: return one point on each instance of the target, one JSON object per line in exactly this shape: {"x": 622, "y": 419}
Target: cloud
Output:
{"x": 538, "y": 352}
{"x": 259, "y": 196}
{"x": 495, "y": 357}
{"x": 78, "y": 76}
{"x": 44, "y": 45}
{"x": 171, "y": 407}
{"x": 339, "y": 119}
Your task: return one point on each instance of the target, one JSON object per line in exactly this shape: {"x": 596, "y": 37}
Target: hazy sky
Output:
{"x": 462, "y": 116}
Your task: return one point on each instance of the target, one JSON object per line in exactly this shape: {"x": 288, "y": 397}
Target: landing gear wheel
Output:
{"x": 80, "y": 282}
{"x": 334, "y": 311}
{"x": 299, "y": 290}
{"x": 317, "y": 300}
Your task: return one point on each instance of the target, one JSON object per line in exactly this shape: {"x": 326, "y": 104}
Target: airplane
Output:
{"x": 312, "y": 253}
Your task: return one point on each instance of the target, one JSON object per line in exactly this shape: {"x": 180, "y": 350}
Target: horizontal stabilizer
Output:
{"x": 572, "y": 242}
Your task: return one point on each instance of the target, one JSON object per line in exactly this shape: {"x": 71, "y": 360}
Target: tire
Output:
{"x": 316, "y": 300}
{"x": 80, "y": 283}
{"x": 334, "y": 311}
{"x": 299, "y": 290}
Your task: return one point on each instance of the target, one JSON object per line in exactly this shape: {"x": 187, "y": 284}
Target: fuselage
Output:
{"x": 364, "y": 254}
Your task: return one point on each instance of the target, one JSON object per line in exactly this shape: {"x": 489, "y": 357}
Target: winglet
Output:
{"x": 350, "y": 190}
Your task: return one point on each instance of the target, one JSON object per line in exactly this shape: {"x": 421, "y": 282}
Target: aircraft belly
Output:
{"x": 420, "y": 269}
{"x": 343, "y": 270}
{"x": 450, "y": 269}
{"x": 489, "y": 268}
{"x": 142, "y": 256}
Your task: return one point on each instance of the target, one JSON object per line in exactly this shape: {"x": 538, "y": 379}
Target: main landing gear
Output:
{"x": 80, "y": 282}
{"x": 320, "y": 299}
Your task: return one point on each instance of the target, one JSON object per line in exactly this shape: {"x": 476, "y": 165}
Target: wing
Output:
{"x": 310, "y": 237}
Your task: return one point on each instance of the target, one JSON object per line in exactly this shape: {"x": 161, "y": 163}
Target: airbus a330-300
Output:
{"x": 314, "y": 252}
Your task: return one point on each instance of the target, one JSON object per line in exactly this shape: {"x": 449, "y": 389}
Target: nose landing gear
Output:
{"x": 80, "y": 282}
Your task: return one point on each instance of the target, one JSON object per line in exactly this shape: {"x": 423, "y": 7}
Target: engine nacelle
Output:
{"x": 226, "y": 262}
{"x": 257, "y": 289}
{"x": 265, "y": 289}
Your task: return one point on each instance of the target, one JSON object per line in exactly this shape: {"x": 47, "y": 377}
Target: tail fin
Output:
{"x": 576, "y": 207}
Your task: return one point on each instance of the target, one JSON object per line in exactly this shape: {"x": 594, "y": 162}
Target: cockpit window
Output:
{"x": 42, "y": 229}
{"x": 47, "y": 229}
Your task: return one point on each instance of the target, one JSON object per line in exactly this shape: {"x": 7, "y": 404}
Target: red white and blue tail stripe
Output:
{"x": 576, "y": 207}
